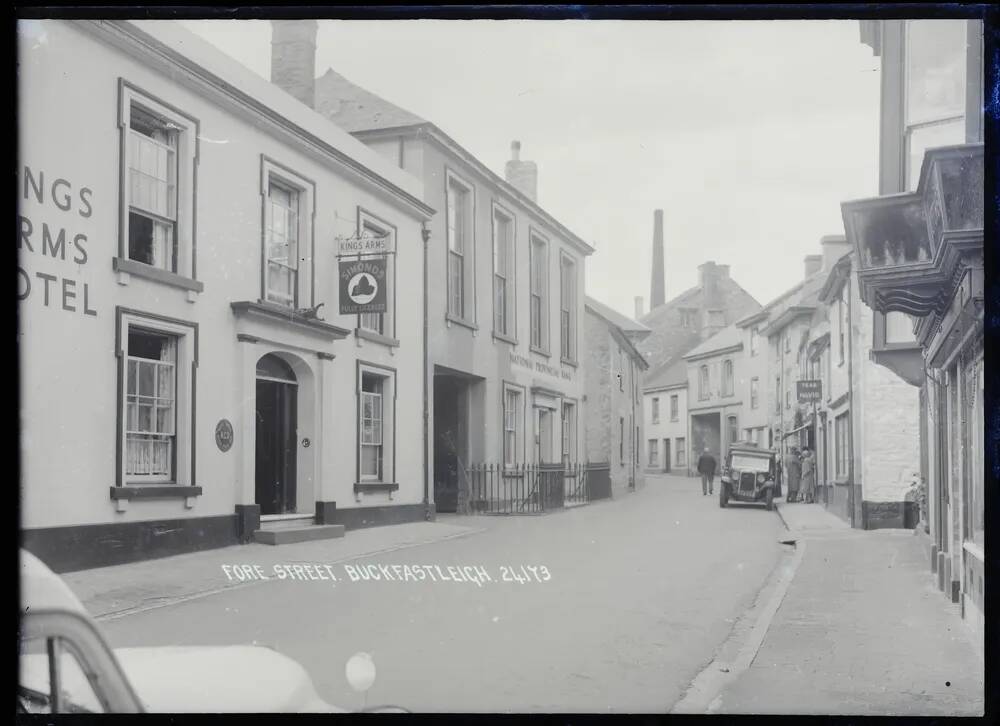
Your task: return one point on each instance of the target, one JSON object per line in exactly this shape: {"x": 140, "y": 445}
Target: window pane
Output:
{"x": 898, "y": 328}
{"x": 922, "y": 138}
{"x": 935, "y": 69}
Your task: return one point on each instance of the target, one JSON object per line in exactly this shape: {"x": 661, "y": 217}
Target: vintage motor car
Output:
{"x": 748, "y": 475}
{"x": 66, "y": 666}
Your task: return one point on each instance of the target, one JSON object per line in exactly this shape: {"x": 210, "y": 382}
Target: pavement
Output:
{"x": 861, "y": 630}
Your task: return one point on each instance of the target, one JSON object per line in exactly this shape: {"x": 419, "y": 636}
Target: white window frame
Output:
{"x": 704, "y": 383}
{"x": 465, "y": 308}
{"x": 184, "y": 357}
{"x": 383, "y": 324}
{"x": 507, "y": 308}
{"x": 680, "y": 451}
{"x": 538, "y": 244}
{"x": 674, "y": 407}
{"x": 728, "y": 378}
{"x": 754, "y": 340}
{"x": 754, "y": 392}
{"x": 283, "y": 176}
{"x": 653, "y": 446}
{"x": 567, "y": 307}
{"x": 186, "y": 153}
{"x": 568, "y": 426}
{"x": 388, "y": 444}
{"x": 910, "y": 175}
{"x": 512, "y": 426}
{"x": 655, "y": 410}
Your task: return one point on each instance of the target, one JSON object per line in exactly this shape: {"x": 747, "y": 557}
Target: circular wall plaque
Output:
{"x": 224, "y": 435}
{"x": 306, "y": 443}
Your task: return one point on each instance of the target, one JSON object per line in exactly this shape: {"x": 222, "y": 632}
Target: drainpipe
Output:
{"x": 425, "y": 233}
{"x": 850, "y": 400}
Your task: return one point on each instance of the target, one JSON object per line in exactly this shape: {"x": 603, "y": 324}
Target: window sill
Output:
{"x": 154, "y": 491}
{"x": 540, "y": 351}
{"x": 148, "y": 272}
{"x": 449, "y": 318}
{"x": 505, "y": 338}
{"x": 372, "y": 336}
{"x": 572, "y": 362}
{"x": 375, "y": 486}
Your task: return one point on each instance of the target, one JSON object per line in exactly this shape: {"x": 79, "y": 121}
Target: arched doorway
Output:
{"x": 276, "y": 440}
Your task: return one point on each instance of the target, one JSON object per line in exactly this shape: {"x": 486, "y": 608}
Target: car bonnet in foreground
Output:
{"x": 220, "y": 679}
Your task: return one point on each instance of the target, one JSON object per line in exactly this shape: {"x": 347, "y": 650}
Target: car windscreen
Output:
{"x": 748, "y": 462}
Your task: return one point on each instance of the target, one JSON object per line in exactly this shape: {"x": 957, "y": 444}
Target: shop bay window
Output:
{"x": 371, "y": 427}
{"x": 150, "y": 406}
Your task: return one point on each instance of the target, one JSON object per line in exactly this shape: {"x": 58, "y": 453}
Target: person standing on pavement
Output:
{"x": 793, "y": 471}
{"x": 808, "y": 476}
{"x": 706, "y": 467}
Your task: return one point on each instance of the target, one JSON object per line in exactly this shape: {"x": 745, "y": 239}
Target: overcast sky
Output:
{"x": 748, "y": 134}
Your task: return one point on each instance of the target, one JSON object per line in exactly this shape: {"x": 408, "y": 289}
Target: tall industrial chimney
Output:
{"x": 523, "y": 175}
{"x": 293, "y": 58}
{"x": 657, "y": 293}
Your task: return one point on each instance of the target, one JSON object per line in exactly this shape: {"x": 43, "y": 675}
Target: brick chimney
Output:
{"x": 813, "y": 264}
{"x": 522, "y": 174}
{"x": 657, "y": 292}
{"x": 708, "y": 280}
{"x": 834, "y": 247}
{"x": 638, "y": 306}
{"x": 293, "y": 58}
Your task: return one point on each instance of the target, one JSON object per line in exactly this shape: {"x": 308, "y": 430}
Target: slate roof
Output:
{"x": 353, "y": 108}
{"x": 625, "y": 323}
{"x": 725, "y": 338}
{"x": 671, "y": 374}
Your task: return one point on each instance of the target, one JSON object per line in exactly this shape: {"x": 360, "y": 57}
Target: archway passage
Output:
{"x": 277, "y": 424}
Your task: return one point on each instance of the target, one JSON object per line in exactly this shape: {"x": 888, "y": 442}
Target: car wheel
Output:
{"x": 723, "y": 495}
{"x": 769, "y": 500}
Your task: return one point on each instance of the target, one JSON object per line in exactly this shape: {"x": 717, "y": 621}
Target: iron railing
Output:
{"x": 525, "y": 488}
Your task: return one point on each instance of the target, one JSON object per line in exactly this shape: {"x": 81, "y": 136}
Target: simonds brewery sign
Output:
{"x": 48, "y": 239}
{"x": 362, "y": 286}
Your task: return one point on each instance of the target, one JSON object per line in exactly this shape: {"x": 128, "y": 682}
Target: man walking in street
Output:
{"x": 706, "y": 467}
{"x": 793, "y": 471}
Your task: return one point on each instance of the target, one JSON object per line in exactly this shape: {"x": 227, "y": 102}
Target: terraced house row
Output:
{"x": 199, "y": 367}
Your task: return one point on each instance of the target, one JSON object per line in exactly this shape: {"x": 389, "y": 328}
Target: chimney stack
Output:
{"x": 657, "y": 293}
{"x": 708, "y": 280}
{"x": 834, "y": 247}
{"x": 293, "y": 58}
{"x": 813, "y": 264}
{"x": 523, "y": 175}
{"x": 638, "y": 306}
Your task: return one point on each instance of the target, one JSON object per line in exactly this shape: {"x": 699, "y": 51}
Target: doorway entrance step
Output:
{"x": 285, "y": 529}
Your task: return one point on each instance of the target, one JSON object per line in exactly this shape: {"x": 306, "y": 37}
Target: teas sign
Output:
{"x": 362, "y": 286}
{"x": 809, "y": 391}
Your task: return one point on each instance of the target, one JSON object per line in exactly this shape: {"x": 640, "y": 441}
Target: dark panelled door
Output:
{"x": 275, "y": 446}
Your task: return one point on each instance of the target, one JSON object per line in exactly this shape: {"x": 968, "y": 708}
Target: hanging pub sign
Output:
{"x": 362, "y": 286}
{"x": 809, "y": 391}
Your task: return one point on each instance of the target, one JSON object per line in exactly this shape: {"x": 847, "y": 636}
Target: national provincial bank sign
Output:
{"x": 534, "y": 365}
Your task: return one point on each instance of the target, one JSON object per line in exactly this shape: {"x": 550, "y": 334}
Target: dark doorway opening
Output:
{"x": 451, "y": 438}
{"x": 706, "y": 432}
{"x": 276, "y": 439}
{"x": 666, "y": 455}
